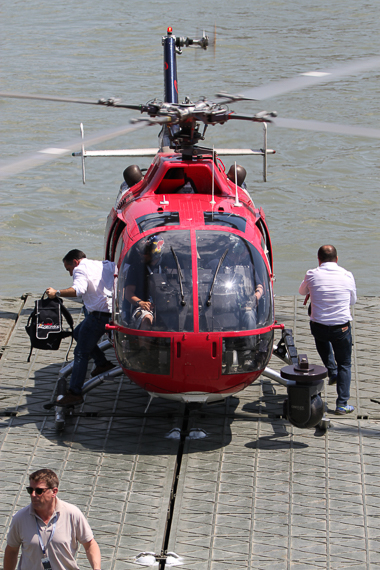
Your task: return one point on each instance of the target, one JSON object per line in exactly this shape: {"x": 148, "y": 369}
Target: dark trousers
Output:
{"x": 334, "y": 346}
{"x": 87, "y": 334}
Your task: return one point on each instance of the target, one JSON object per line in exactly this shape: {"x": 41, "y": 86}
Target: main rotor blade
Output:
{"x": 102, "y": 102}
{"x": 302, "y": 81}
{"x": 321, "y": 126}
{"x": 31, "y": 160}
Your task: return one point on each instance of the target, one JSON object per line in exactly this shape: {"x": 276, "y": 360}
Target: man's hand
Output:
{"x": 50, "y": 292}
{"x": 146, "y": 305}
{"x": 70, "y": 292}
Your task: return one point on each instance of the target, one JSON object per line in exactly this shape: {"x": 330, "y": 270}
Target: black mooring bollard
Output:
{"x": 304, "y": 406}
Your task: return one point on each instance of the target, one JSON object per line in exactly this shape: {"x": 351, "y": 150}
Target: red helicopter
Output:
{"x": 193, "y": 312}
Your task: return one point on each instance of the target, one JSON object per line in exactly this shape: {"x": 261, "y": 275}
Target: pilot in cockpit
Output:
{"x": 237, "y": 262}
{"x": 236, "y": 271}
{"x": 138, "y": 280}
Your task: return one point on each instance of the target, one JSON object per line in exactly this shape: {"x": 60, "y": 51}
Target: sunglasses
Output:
{"x": 37, "y": 490}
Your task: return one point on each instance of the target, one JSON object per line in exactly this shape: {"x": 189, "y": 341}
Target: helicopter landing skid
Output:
{"x": 61, "y": 412}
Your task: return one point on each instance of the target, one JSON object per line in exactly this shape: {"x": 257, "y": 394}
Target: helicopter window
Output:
{"x": 155, "y": 283}
{"x": 244, "y": 354}
{"x": 224, "y": 219}
{"x": 173, "y": 180}
{"x": 234, "y": 291}
{"x": 192, "y": 179}
{"x": 202, "y": 178}
{"x": 157, "y": 220}
{"x": 149, "y": 354}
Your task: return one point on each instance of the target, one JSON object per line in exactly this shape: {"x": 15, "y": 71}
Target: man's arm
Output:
{"x": 70, "y": 292}
{"x": 10, "y": 557}
{"x": 353, "y": 297}
{"x": 93, "y": 554}
{"x": 304, "y": 288}
{"x": 259, "y": 292}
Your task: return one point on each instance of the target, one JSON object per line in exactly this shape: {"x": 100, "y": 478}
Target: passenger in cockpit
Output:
{"x": 137, "y": 289}
{"x": 246, "y": 287}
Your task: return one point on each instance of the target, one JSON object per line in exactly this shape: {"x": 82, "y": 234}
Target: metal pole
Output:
{"x": 170, "y": 69}
{"x": 273, "y": 375}
{"x": 265, "y": 152}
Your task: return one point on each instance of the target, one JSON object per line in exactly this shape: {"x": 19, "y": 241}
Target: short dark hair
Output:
{"x": 46, "y": 475}
{"x": 327, "y": 253}
{"x": 73, "y": 254}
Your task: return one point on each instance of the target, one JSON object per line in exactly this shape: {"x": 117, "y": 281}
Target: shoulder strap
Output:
{"x": 30, "y": 353}
{"x": 66, "y": 313}
{"x": 31, "y": 316}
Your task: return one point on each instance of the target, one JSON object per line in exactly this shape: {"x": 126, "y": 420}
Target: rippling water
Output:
{"x": 321, "y": 188}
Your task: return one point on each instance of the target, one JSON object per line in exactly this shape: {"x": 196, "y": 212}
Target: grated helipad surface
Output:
{"x": 255, "y": 493}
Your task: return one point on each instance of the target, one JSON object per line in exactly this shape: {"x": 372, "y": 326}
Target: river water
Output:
{"x": 321, "y": 188}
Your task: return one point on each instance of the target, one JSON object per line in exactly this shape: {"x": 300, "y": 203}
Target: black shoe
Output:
{"x": 101, "y": 369}
{"x": 70, "y": 399}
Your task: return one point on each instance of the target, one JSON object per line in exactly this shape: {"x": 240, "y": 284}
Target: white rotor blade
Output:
{"x": 327, "y": 127}
{"x": 102, "y": 102}
{"x": 47, "y": 98}
{"x": 48, "y": 154}
{"x": 303, "y": 80}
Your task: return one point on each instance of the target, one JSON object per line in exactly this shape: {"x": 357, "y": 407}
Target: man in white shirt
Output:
{"x": 332, "y": 290}
{"x": 93, "y": 281}
{"x": 48, "y": 530}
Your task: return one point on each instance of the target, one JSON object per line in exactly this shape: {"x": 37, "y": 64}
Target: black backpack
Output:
{"x": 45, "y": 324}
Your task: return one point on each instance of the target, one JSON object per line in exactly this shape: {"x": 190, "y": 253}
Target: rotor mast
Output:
{"x": 173, "y": 45}
{"x": 170, "y": 68}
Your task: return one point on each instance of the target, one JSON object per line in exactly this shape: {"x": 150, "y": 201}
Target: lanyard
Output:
{"x": 44, "y": 548}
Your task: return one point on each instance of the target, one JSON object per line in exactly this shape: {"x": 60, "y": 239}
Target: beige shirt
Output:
{"x": 71, "y": 528}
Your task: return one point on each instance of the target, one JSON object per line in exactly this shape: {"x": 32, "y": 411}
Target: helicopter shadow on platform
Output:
{"x": 113, "y": 419}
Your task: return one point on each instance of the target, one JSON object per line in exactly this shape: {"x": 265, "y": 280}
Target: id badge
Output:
{"x": 46, "y": 563}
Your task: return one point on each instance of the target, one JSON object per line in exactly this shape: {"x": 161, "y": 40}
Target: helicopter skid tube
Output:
{"x": 192, "y": 397}
{"x": 273, "y": 375}
{"x": 99, "y": 379}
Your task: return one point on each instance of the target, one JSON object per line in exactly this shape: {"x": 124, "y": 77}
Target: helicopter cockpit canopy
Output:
{"x": 160, "y": 270}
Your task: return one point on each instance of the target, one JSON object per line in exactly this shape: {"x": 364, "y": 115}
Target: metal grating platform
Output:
{"x": 255, "y": 493}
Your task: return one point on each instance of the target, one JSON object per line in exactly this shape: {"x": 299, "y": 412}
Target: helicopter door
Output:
{"x": 188, "y": 354}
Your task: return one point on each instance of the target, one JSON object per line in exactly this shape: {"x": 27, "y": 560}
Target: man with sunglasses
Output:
{"x": 48, "y": 530}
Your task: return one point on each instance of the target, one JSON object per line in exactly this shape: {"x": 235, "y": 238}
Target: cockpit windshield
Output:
{"x": 155, "y": 286}
{"x": 233, "y": 284}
